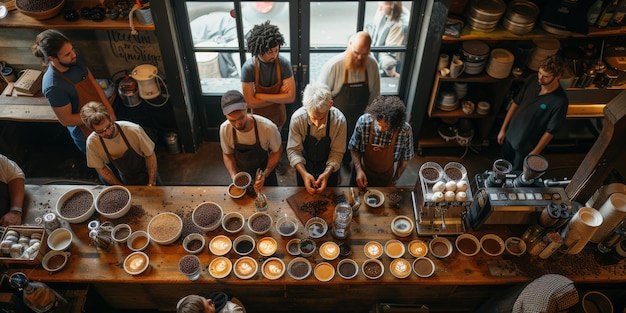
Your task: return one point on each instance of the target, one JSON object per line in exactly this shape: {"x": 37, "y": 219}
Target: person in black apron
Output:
{"x": 317, "y": 140}
{"x": 111, "y": 142}
{"x": 249, "y": 142}
{"x": 11, "y": 192}
{"x": 381, "y": 139}
{"x": 353, "y": 79}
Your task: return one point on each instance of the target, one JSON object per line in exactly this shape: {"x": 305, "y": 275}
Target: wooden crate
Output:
{"x": 28, "y": 231}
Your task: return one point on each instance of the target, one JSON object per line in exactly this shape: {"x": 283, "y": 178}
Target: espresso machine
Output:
{"x": 506, "y": 197}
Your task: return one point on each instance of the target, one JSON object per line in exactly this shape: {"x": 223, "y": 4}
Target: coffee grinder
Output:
{"x": 535, "y": 165}
{"x": 500, "y": 168}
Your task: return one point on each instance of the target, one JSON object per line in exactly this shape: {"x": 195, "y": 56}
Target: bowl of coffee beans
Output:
{"x": 207, "y": 216}
{"x": 431, "y": 172}
{"x": 113, "y": 202}
{"x": 76, "y": 205}
{"x": 242, "y": 180}
{"x": 41, "y": 9}
{"x": 260, "y": 223}
{"x": 165, "y": 228}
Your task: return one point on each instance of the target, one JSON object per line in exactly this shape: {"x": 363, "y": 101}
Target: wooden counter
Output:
{"x": 456, "y": 277}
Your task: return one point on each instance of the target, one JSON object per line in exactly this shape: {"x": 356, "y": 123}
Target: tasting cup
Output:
{"x": 60, "y": 239}
{"x": 299, "y": 268}
{"x": 394, "y": 248}
{"x": 307, "y": 247}
{"x": 220, "y": 245}
{"x": 444, "y": 72}
{"x": 515, "y": 246}
{"x": 244, "y": 244}
{"x": 467, "y": 244}
{"x": 138, "y": 240}
{"x": 372, "y": 262}
{"x": 440, "y": 247}
{"x": 260, "y": 215}
{"x": 267, "y": 246}
{"x": 121, "y": 232}
{"x": 55, "y": 266}
{"x": 220, "y": 267}
{"x": 233, "y": 222}
{"x": 293, "y": 246}
{"x": 347, "y": 263}
{"x": 400, "y": 268}
{"x": 193, "y": 269}
{"x": 423, "y": 267}
{"x": 273, "y": 268}
{"x": 316, "y": 227}
{"x": 323, "y": 271}
{"x": 373, "y": 249}
{"x": 136, "y": 263}
{"x": 245, "y": 267}
{"x": 491, "y": 244}
{"x": 329, "y": 250}
{"x": 418, "y": 248}
{"x": 192, "y": 237}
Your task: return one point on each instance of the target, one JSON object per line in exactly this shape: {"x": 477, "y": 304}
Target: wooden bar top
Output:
{"x": 88, "y": 264}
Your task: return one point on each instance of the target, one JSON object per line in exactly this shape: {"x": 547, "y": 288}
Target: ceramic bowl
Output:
{"x": 287, "y": 225}
{"x": 114, "y": 202}
{"x": 299, "y": 268}
{"x": 55, "y": 261}
{"x": 165, "y": 228}
{"x": 273, "y": 268}
{"x": 190, "y": 243}
{"x": 373, "y": 268}
{"x": 242, "y": 180}
{"x": 260, "y": 223}
{"x": 374, "y": 198}
{"x": 136, "y": 263}
{"x": 233, "y": 222}
{"x": 207, "y": 216}
{"x": 77, "y": 200}
{"x": 236, "y": 192}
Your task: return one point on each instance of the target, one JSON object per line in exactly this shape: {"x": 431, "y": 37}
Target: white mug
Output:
{"x": 456, "y": 68}
{"x": 443, "y": 61}
{"x": 445, "y": 72}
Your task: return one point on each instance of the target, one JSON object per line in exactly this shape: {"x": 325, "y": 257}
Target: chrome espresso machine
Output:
{"x": 505, "y": 197}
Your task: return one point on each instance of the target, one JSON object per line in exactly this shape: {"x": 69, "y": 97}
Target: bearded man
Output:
{"x": 535, "y": 114}
{"x": 353, "y": 79}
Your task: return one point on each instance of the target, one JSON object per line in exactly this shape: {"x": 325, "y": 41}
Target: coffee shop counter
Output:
{"x": 455, "y": 277}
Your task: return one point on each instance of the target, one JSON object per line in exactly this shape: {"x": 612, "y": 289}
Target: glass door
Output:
{"x": 213, "y": 37}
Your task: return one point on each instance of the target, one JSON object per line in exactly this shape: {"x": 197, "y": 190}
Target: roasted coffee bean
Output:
{"x": 207, "y": 215}
{"x": 189, "y": 264}
{"x": 113, "y": 201}
{"x": 315, "y": 208}
{"x": 77, "y": 205}
{"x": 37, "y": 6}
{"x": 261, "y": 223}
{"x": 194, "y": 245}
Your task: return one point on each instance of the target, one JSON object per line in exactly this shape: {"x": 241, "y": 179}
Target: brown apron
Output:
{"x": 378, "y": 162}
{"x": 277, "y": 113}
{"x": 86, "y": 92}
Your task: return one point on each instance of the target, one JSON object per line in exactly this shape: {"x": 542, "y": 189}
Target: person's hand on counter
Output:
{"x": 11, "y": 218}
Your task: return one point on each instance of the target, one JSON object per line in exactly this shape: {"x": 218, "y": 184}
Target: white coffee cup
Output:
{"x": 444, "y": 72}
{"x": 456, "y": 68}
{"x": 444, "y": 60}
{"x": 60, "y": 239}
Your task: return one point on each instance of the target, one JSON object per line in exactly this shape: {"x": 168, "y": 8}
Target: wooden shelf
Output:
{"x": 538, "y": 33}
{"x": 16, "y": 19}
{"x": 458, "y": 113}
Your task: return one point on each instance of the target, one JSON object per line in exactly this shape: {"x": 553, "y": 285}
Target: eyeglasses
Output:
{"x": 104, "y": 130}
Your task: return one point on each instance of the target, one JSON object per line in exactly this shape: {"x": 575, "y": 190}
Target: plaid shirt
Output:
{"x": 403, "y": 149}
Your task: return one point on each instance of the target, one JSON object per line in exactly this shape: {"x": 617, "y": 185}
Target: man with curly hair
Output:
{"x": 267, "y": 78}
{"x": 382, "y": 144}
{"x": 535, "y": 114}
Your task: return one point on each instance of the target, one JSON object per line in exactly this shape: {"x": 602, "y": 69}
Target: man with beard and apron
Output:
{"x": 68, "y": 84}
{"x": 317, "y": 140}
{"x": 11, "y": 192}
{"x": 381, "y": 139}
{"x": 124, "y": 144}
{"x": 249, "y": 142}
{"x": 353, "y": 79}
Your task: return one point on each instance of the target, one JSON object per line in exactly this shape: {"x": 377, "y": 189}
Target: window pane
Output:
{"x": 276, "y": 12}
{"x": 332, "y": 23}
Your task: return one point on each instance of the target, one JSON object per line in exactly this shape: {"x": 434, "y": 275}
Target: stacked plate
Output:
{"x": 483, "y": 15}
{"x": 543, "y": 48}
{"x": 520, "y": 17}
{"x": 461, "y": 90}
{"x": 447, "y": 101}
{"x": 500, "y": 63}
{"x": 475, "y": 54}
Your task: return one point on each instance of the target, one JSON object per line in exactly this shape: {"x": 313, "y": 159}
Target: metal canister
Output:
{"x": 586, "y": 78}
{"x": 51, "y": 222}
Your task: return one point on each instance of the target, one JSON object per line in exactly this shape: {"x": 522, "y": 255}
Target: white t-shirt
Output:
{"x": 268, "y": 136}
{"x": 9, "y": 170}
{"x": 137, "y": 138}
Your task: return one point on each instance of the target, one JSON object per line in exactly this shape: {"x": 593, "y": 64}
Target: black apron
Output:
{"x": 131, "y": 166}
{"x": 249, "y": 158}
{"x": 352, "y": 100}
{"x": 316, "y": 154}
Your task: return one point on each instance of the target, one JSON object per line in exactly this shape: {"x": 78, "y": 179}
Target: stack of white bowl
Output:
{"x": 447, "y": 101}
{"x": 520, "y": 17}
{"x": 500, "y": 63}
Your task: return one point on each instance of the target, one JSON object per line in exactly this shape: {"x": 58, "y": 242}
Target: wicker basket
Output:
{"x": 42, "y": 15}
